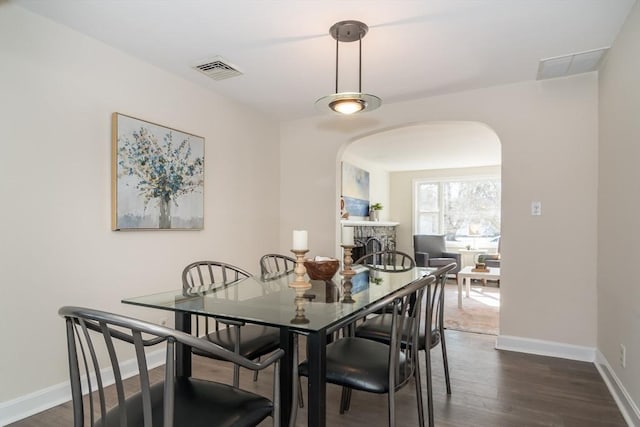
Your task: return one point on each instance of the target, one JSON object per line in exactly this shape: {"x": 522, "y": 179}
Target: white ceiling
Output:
{"x": 436, "y": 145}
{"x": 414, "y": 48}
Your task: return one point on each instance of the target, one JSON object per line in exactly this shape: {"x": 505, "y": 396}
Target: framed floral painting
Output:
{"x": 157, "y": 177}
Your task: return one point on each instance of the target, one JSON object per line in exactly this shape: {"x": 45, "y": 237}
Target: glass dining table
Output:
{"x": 270, "y": 301}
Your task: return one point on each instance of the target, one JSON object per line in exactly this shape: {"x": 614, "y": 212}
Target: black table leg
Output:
{"x": 317, "y": 405}
{"x": 183, "y": 352}
{"x": 286, "y": 375}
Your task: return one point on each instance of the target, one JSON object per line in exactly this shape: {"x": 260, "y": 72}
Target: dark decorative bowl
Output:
{"x": 321, "y": 270}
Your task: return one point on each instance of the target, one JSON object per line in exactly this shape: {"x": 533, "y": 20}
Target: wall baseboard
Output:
{"x": 41, "y": 400}
{"x": 627, "y": 406}
{"x": 546, "y": 348}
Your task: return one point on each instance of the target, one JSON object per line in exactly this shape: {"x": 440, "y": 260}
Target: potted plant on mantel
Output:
{"x": 374, "y": 211}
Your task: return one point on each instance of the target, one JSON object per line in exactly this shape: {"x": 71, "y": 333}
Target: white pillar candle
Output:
{"x": 300, "y": 240}
{"x": 347, "y": 236}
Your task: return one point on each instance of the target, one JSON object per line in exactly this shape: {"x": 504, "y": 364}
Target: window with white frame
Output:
{"x": 466, "y": 210}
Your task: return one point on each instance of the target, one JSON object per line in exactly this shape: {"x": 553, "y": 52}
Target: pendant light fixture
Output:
{"x": 349, "y": 102}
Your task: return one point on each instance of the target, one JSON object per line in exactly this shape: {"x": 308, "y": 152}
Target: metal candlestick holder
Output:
{"x": 300, "y": 270}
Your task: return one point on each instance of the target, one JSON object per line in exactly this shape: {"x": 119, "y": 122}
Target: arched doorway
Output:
{"x": 443, "y": 157}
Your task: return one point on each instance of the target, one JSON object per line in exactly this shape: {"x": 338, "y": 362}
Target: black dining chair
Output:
{"x": 362, "y": 364}
{"x": 96, "y": 340}
{"x": 249, "y": 341}
{"x": 431, "y": 332}
{"x": 388, "y": 260}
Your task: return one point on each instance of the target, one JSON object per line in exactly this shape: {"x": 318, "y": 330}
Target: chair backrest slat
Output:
{"x": 388, "y": 260}
{"x": 144, "y": 378}
{"x": 74, "y": 374}
{"x": 96, "y": 369}
{"x": 116, "y": 373}
{"x": 170, "y": 374}
{"x": 209, "y": 274}
{"x": 276, "y": 263}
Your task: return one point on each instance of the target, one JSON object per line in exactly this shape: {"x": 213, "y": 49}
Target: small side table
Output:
{"x": 468, "y": 256}
{"x": 466, "y": 275}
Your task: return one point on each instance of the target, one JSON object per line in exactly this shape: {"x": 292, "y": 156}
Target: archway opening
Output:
{"x": 435, "y": 178}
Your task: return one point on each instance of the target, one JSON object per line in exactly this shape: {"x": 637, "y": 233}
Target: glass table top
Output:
{"x": 271, "y": 301}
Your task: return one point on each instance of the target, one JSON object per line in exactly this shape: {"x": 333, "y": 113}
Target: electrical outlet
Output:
{"x": 623, "y": 356}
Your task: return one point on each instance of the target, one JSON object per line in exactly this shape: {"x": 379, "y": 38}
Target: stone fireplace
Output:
{"x": 372, "y": 236}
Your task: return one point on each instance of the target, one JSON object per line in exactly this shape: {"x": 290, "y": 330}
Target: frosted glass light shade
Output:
{"x": 349, "y": 102}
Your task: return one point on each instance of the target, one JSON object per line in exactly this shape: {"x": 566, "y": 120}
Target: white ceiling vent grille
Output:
{"x": 567, "y": 65}
{"x": 218, "y": 68}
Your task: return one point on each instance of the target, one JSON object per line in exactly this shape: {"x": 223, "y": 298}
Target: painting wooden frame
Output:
{"x": 157, "y": 176}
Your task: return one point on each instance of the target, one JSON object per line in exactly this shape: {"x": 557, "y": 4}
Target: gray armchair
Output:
{"x": 491, "y": 260}
{"x": 430, "y": 251}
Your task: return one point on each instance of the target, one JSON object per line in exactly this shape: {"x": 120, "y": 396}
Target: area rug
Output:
{"x": 479, "y": 313}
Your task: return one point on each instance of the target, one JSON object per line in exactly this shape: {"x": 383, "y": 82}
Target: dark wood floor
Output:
{"x": 490, "y": 388}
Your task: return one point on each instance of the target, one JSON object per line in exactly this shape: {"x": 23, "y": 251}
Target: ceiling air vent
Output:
{"x": 566, "y": 65}
{"x": 218, "y": 68}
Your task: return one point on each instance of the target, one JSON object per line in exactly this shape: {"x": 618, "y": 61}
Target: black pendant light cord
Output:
{"x": 337, "y": 64}
{"x": 359, "y": 62}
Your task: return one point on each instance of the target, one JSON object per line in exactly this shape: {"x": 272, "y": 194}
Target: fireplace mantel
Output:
{"x": 365, "y": 223}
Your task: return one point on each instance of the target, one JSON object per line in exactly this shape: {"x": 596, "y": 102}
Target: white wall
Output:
{"x": 57, "y": 92}
{"x": 549, "y": 136}
{"x": 401, "y": 184}
{"x": 619, "y": 206}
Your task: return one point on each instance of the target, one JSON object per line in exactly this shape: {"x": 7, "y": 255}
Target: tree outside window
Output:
{"x": 463, "y": 210}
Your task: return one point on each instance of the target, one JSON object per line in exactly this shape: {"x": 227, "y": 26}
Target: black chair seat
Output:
{"x": 359, "y": 364}
{"x": 198, "y": 403}
{"x": 378, "y": 329}
{"x": 255, "y": 340}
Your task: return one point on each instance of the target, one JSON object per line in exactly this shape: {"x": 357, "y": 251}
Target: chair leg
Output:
{"x": 345, "y": 398}
{"x": 236, "y": 375}
{"x": 427, "y": 355}
{"x": 236, "y": 368}
{"x": 300, "y": 395}
{"x": 392, "y": 407}
{"x": 419, "y": 401}
{"x": 296, "y": 384}
{"x": 297, "y": 362}
{"x": 255, "y": 373}
{"x": 445, "y": 361}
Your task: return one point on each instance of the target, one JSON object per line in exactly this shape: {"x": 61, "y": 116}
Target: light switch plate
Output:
{"x": 536, "y": 208}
